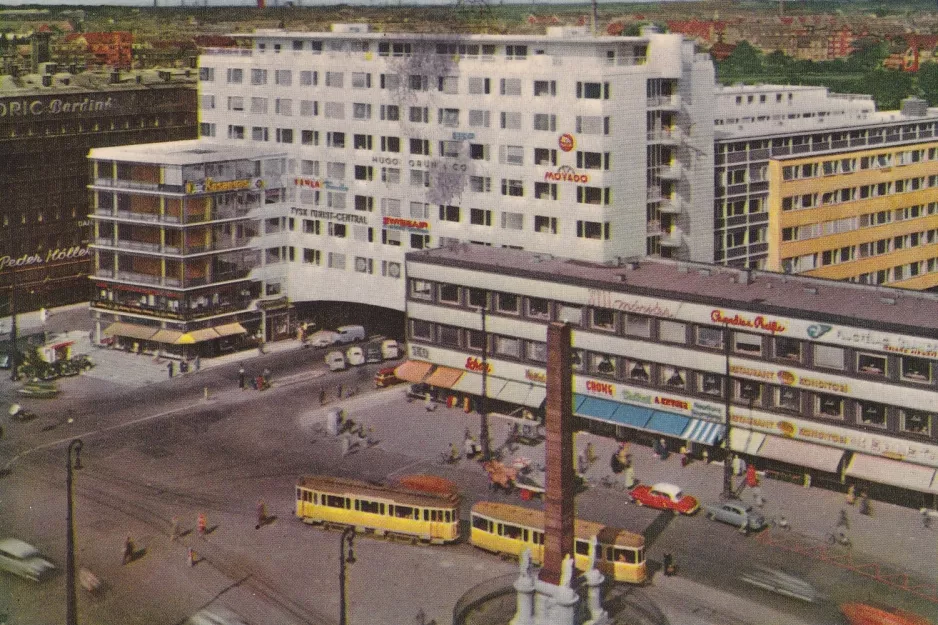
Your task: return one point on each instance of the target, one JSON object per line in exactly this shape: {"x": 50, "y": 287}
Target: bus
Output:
{"x": 506, "y": 529}
{"x": 410, "y": 511}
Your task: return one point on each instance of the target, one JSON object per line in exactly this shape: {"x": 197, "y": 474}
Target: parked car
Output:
{"x": 373, "y": 352}
{"x": 23, "y": 559}
{"x": 350, "y": 334}
{"x": 386, "y": 377}
{"x": 418, "y": 391}
{"x": 323, "y": 338}
{"x": 390, "y": 349}
{"x": 665, "y": 496}
{"x": 336, "y": 361}
{"x": 355, "y": 355}
{"x": 736, "y": 514}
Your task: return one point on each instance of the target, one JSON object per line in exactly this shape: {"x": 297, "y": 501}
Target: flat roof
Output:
{"x": 95, "y": 82}
{"x": 561, "y": 34}
{"x": 845, "y": 303}
{"x": 188, "y": 152}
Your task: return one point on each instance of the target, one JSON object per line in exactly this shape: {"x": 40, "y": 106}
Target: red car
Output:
{"x": 665, "y": 496}
{"x": 386, "y": 377}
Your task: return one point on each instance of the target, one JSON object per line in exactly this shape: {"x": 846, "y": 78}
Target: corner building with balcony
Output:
{"x": 600, "y": 147}
{"x": 173, "y": 251}
{"x": 824, "y": 382}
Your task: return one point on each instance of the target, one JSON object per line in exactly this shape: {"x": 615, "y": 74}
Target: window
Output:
{"x": 450, "y": 148}
{"x": 311, "y": 226}
{"x": 870, "y": 413}
{"x": 512, "y": 154}
{"x": 283, "y": 77}
{"x": 362, "y": 142}
{"x": 336, "y": 261}
{"x": 364, "y": 265}
{"x": 421, "y": 289}
{"x": 448, "y": 84}
{"x": 207, "y": 102}
{"x": 545, "y": 224}
{"x": 788, "y": 398}
{"x": 390, "y": 207}
{"x": 420, "y": 329}
{"x": 478, "y": 298}
{"x": 259, "y": 133}
{"x": 284, "y": 135}
{"x": 511, "y": 121}
{"x": 602, "y": 364}
{"x": 235, "y": 75}
{"x": 709, "y": 337}
{"x": 603, "y": 318}
{"x": 638, "y": 371}
{"x": 419, "y": 178}
{"x": 335, "y": 139}
{"x": 508, "y": 346}
{"x": 592, "y": 230}
{"x": 915, "y": 421}
{"x": 871, "y": 363}
{"x": 544, "y": 156}
{"x": 418, "y": 83}
{"x": 748, "y": 391}
{"x": 510, "y": 86}
{"x": 337, "y": 230}
{"x": 312, "y": 257}
{"x": 592, "y": 195}
{"x": 479, "y": 86}
{"x": 516, "y": 52}
{"x": 259, "y": 105}
{"x": 335, "y": 79}
{"x": 538, "y": 308}
{"x": 391, "y": 175}
{"x": 479, "y": 119}
{"x": 448, "y": 117}
{"x": 788, "y": 349}
{"x": 309, "y": 108}
{"x": 309, "y": 137}
{"x": 829, "y": 356}
{"x": 478, "y": 151}
{"x": 673, "y": 377}
{"x": 391, "y": 237}
{"x": 335, "y": 171}
{"x": 592, "y": 125}
{"x": 512, "y": 221}
{"x": 206, "y": 129}
{"x": 545, "y": 190}
{"x": 207, "y": 74}
{"x": 420, "y": 147}
{"x": 507, "y": 303}
{"x": 390, "y": 81}
{"x": 258, "y": 76}
{"x": 747, "y": 343}
{"x": 390, "y": 112}
{"x": 672, "y": 331}
{"x": 514, "y": 188}
{"x": 480, "y": 184}
{"x": 637, "y": 325}
{"x": 536, "y": 351}
{"x": 710, "y": 384}
{"x": 364, "y": 203}
{"x": 545, "y": 88}
{"x": 830, "y": 406}
{"x": 545, "y": 121}
{"x": 361, "y": 80}
{"x": 334, "y": 110}
{"x": 449, "y": 294}
{"x": 309, "y": 78}
{"x": 569, "y": 314}
{"x": 309, "y": 168}
{"x": 592, "y": 160}
{"x": 449, "y": 213}
{"x": 361, "y": 110}
{"x": 592, "y": 90}
{"x": 915, "y": 369}
{"x": 448, "y": 336}
{"x": 480, "y": 217}
{"x": 335, "y": 200}
{"x": 235, "y": 103}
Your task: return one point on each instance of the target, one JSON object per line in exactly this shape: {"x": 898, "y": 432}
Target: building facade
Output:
{"x": 822, "y": 380}
{"x": 598, "y": 146}
{"x": 173, "y": 251}
{"x": 48, "y": 123}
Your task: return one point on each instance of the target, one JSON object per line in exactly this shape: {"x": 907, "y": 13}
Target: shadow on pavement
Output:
{"x": 654, "y": 530}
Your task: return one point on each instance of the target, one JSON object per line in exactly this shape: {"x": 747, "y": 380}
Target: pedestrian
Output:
{"x": 169, "y": 368}
{"x": 926, "y": 519}
{"x": 202, "y": 525}
{"x": 752, "y": 480}
{"x": 737, "y": 465}
{"x": 851, "y": 495}
{"x": 428, "y": 403}
{"x": 128, "y": 551}
{"x": 266, "y": 376}
{"x": 582, "y": 466}
{"x": 339, "y": 392}
{"x": 261, "y": 514}
{"x": 190, "y": 556}
{"x": 843, "y": 521}
{"x": 865, "y": 504}
{"x": 757, "y": 497}
{"x": 346, "y": 445}
{"x": 174, "y": 529}
{"x": 241, "y": 377}
{"x": 322, "y": 396}
{"x": 669, "y": 567}
{"x": 198, "y": 362}
{"x": 590, "y": 454}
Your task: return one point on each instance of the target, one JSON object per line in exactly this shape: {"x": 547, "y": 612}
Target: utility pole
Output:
{"x": 483, "y": 417}
{"x": 71, "y": 600}
{"x": 728, "y": 388}
{"x": 14, "y": 353}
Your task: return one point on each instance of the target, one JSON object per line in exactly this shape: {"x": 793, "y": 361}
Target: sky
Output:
{"x": 41, "y": 3}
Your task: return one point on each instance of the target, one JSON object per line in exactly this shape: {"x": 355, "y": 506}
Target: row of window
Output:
{"x": 359, "y": 504}
{"x": 908, "y": 369}
{"x": 338, "y": 260}
{"x": 832, "y": 167}
{"x": 869, "y": 249}
{"x": 899, "y": 272}
{"x": 863, "y": 192}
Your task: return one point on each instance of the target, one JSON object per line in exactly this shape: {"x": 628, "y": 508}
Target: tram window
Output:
{"x": 404, "y": 512}
{"x": 300, "y": 495}
{"x": 426, "y": 514}
{"x": 538, "y": 538}
{"x": 609, "y": 554}
{"x": 525, "y": 534}
{"x": 307, "y": 496}
{"x": 511, "y": 531}
{"x": 335, "y": 501}
{"x": 481, "y": 524}
{"x": 582, "y": 548}
{"x": 372, "y": 507}
{"x": 626, "y": 555}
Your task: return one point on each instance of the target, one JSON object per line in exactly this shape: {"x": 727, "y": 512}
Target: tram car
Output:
{"x": 509, "y": 530}
{"x": 420, "y": 508}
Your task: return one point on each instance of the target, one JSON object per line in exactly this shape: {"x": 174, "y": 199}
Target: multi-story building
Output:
{"x": 173, "y": 247}
{"x": 599, "y": 146}
{"x": 837, "y": 143}
{"x": 48, "y": 123}
{"x": 823, "y": 381}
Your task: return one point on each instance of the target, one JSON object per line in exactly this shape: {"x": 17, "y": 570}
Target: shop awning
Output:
{"x": 166, "y": 336}
{"x": 667, "y": 423}
{"x": 61, "y": 345}
{"x": 130, "y": 331}
{"x": 746, "y": 441}
{"x": 594, "y": 407}
{"x": 515, "y": 393}
{"x": 444, "y": 377}
{"x": 471, "y": 383}
{"x": 197, "y": 336}
{"x": 537, "y": 396}
{"x": 413, "y": 371}
{"x": 230, "y": 329}
{"x": 706, "y": 432}
{"x": 801, "y": 453}
{"x": 894, "y": 472}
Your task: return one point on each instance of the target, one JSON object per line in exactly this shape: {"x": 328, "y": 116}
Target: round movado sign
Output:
{"x": 567, "y": 142}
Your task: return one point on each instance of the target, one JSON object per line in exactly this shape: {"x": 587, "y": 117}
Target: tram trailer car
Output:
{"x": 394, "y": 511}
{"x": 507, "y": 529}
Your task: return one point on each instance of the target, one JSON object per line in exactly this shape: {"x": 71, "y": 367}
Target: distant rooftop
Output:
{"x": 95, "y": 80}
{"x": 900, "y": 310}
{"x": 189, "y": 152}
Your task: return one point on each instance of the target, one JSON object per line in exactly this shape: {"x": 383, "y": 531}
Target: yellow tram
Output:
{"x": 507, "y": 529}
{"x": 428, "y": 514}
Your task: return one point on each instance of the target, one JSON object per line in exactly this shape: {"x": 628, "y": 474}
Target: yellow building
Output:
{"x": 868, "y": 216}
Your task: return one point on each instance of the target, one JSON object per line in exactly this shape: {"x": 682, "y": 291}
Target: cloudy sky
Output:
{"x": 40, "y": 3}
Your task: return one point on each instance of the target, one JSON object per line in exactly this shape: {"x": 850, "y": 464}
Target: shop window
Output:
{"x": 915, "y": 369}
{"x": 569, "y": 314}
{"x": 639, "y": 371}
{"x": 871, "y": 414}
{"x": 672, "y": 331}
{"x": 576, "y": 359}
{"x": 507, "y": 303}
{"x": 787, "y": 349}
{"x": 788, "y": 398}
{"x": 603, "y": 319}
{"x": 508, "y": 346}
{"x": 449, "y": 294}
{"x": 603, "y": 364}
{"x": 421, "y": 289}
{"x": 830, "y": 406}
{"x": 750, "y": 344}
{"x": 829, "y": 356}
{"x": 636, "y": 325}
{"x": 709, "y": 337}
{"x": 915, "y": 422}
{"x": 538, "y": 308}
{"x": 710, "y": 384}
{"x": 748, "y": 391}
{"x": 871, "y": 363}
{"x": 673, "y": 377}
{"x": 536, "y": 351}
{"x": 449, "y": 336}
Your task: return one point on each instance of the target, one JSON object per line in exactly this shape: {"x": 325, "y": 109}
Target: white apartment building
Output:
{"x": 597, "y": 148}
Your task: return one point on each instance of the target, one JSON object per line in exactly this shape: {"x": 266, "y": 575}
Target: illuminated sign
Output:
{"x": 625, "y": 303}
{"x": 566, "y": 142}
{"x": 52, "y": 256}
{"x": 739, "y": 320}
{"x": 680, "y": 404}
{"x": 600, "y": 387}
{"x": 535, "y": 376}
{"x": 331, "y": 215}
{"x": 25, "y": 108}
{"x": 474, "y": 364}
{"x": 566, "y": 174}
{"x": 210, "y": 185}
{"x": 401, "y": 223}
{"x": 309, "y": 183}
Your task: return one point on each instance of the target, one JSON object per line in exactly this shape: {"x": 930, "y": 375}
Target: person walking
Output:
{"x": 128, "y": 551}
{"x": 174, "y": 529}
{"x": 864, "y": 504}
{"x": 198, "y": 362}
{"x": 322, "y": 396}
{"x": 169, "y": 368}
{"x": 338, "y": 394}
{"x": 590, "y": 453}
{"x": 843, "y": 521}
{"x": 926, "y": 519}
{"x": 266, "y": 376}
{"x": 261, "y": 514}
{"x": 202, "y": 525}
{"x": 241, "y": 377}
{"x": 190, "y": 556}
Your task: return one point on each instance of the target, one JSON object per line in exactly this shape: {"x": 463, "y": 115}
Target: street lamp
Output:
{"x": 348, "y": 537}
{"x": 483, "y": 418}
{"x": 71, "y": 600}
{"x": 727, "y": 460}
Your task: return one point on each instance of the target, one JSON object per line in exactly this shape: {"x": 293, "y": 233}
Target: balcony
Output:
{"x": 673, "y": 205}
{"x": 672, "y": 238}
{"x": 137, "y": 185}
{"x": 674, "y": 171}
{"x": 666, "y": 102}
{"x": 671, "y": 136}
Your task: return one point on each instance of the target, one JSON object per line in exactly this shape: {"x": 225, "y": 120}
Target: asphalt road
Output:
{"x": 164, "y": 451}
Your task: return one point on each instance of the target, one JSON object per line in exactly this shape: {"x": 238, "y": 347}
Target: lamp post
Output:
{"x": 71, "y": 600}
{"x": 727, "y": 461}
{"x": 348, "y": 536}
{"x": 483, "y": 417}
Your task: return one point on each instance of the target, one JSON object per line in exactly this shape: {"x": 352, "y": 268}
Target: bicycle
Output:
{"x": 838, "y": 538}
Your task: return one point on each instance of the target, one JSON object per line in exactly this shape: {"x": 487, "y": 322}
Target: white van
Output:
{"x": 336, "y": 361}
{"x": 350, "y": 334}
{"x": 355, "y": 355}
{"x": 390, "y": 349}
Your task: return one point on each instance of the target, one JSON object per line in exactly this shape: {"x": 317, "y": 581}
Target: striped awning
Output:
{"x": 230, "y": 329}
{"x": 801, "y": 453}
{"x": 444, "y": 377}
{"x": 130, "y": 330}
{"x": 197, "y": 336}
{"x": 894, "y": 472}
{"x": 166, "y": 336}
{"x": 706, "y": 432}
{"x": 746, "y": 441}
{"x": 413, "y": 371}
